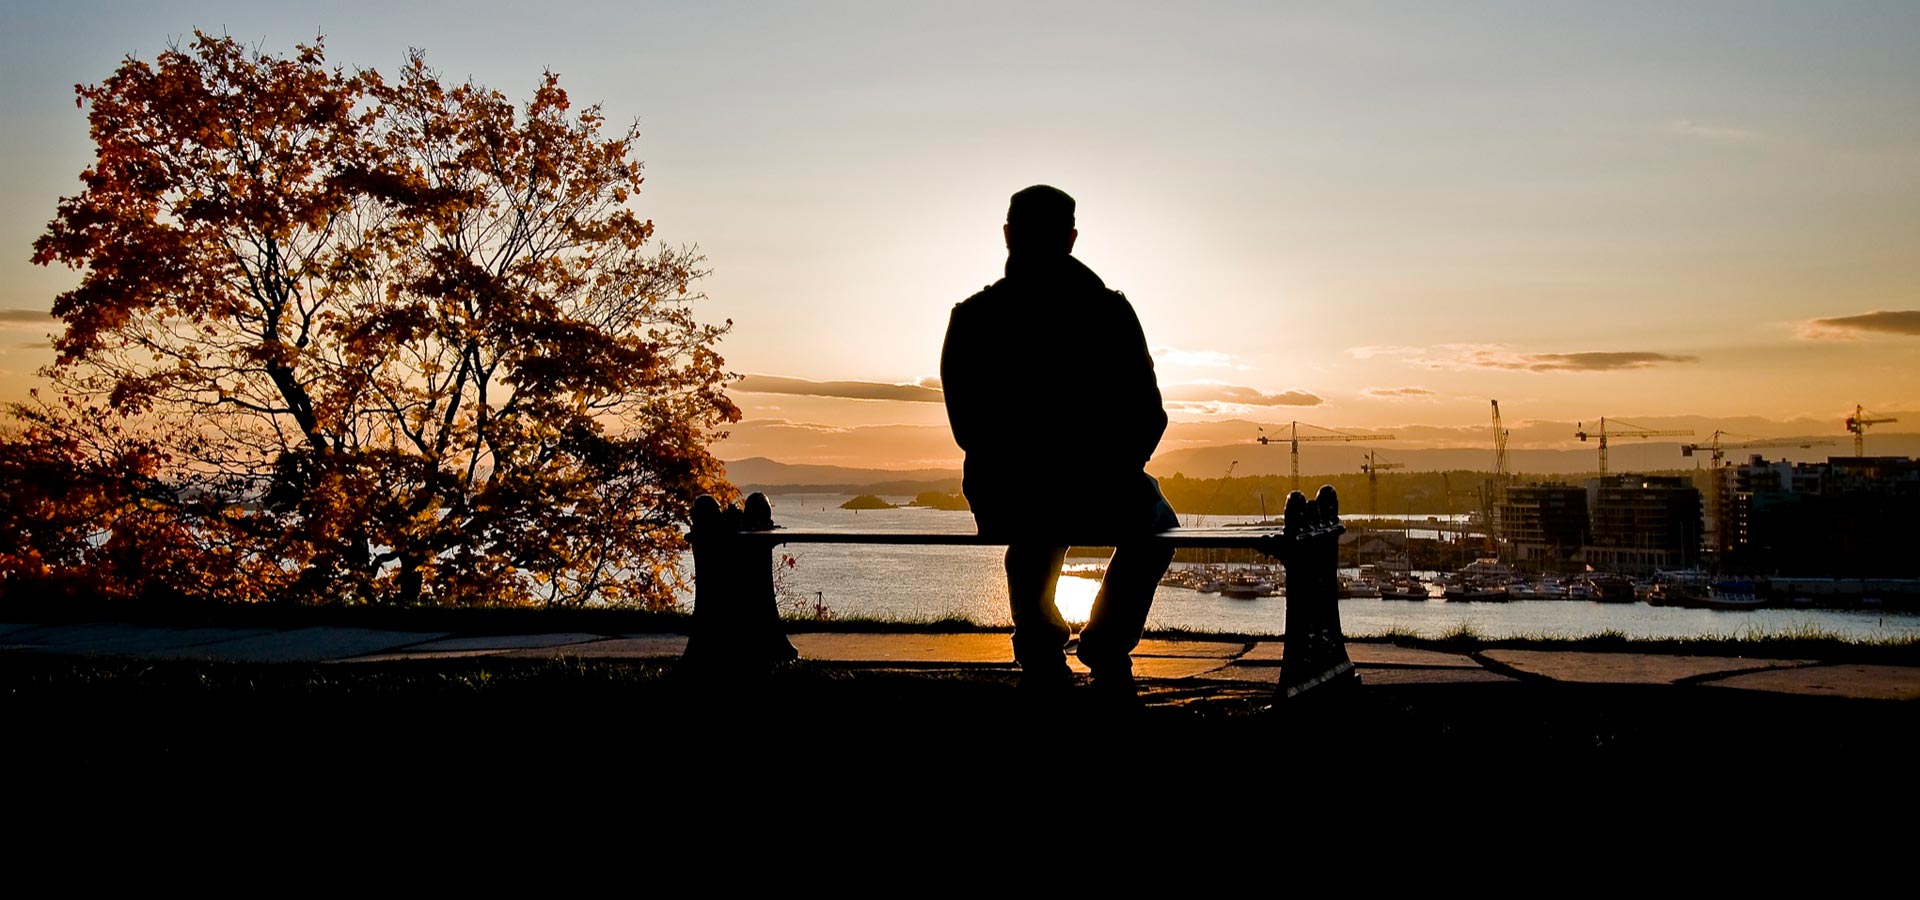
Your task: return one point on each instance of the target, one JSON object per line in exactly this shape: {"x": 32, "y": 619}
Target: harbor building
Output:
{"x": 1545, "y": 524}
{"x": 1639, "y": 524}
{"x": 1851, "y": 516}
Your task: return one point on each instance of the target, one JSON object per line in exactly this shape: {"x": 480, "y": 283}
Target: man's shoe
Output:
{"x": 1047, "y": 679}
{"x": 1117, "y": 690}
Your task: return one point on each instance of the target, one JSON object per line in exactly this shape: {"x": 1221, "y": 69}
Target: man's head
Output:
{"x": 1040, "y": 222}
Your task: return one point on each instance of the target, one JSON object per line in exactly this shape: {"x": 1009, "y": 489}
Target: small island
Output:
{"x": 867, "y": 501}
{"x": 938, "y": 500}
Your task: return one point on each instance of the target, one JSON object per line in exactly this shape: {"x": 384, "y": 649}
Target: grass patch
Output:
{"x": 468, "y": 620}
{"x": 1807, "y": 644}
{"x": 1394, "y": 634}
{"x": 838, "y": 624}
{"x": 1207, "y": 634}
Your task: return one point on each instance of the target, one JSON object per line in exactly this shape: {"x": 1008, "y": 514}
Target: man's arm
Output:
{"x": 1144, "y": 412}
{"x": 957, "y": 381}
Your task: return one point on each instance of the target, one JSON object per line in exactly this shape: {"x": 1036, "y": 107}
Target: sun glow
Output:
{"x": 1075, "y": 594}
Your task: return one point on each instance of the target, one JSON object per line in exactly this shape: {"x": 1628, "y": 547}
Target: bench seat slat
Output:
{"x": 1182, "y": 537}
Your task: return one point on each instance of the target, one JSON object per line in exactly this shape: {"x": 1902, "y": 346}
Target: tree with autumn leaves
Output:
{"x": 347, "y": 337}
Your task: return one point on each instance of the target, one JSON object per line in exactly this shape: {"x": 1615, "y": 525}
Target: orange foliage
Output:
{"x": 382, "y": 340}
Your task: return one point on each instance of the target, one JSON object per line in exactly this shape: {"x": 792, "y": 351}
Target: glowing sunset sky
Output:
{"x": 1371, "y": 217}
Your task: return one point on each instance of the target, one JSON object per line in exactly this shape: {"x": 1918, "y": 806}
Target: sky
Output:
{"x": 1366, "y": 216}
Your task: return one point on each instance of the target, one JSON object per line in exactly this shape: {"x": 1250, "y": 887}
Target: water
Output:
{"x": 921, "y": 584}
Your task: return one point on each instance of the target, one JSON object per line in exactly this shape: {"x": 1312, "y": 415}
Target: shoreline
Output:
{"x": 495, "y": 621}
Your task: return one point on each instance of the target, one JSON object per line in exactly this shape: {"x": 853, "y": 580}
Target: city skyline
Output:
{"x": 1373, "y": 218}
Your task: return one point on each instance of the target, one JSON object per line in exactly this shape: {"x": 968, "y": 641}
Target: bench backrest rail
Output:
{"x": 1207, "y": 538}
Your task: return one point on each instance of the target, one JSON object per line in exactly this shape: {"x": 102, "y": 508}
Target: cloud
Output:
{"x": 1379, "y": 350}
{"x": 1209, "y": 393}
{"x": 1401, "y": 393}
{"x": 1503, "y": 357}
{"x": 1882, "y": 321}
{"x": 17, "y": 316}
{"x": 33, "y": 345}
{"x": 1586, "y": 361}
{"x": 852, "y": 390}
{"x": 1204, "y": 409}
{"x": 1711, "y": 132}
{"x": 790, "y": 426}
{"x": 1591, "y": 361}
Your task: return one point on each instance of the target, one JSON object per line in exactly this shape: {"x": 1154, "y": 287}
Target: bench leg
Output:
{"x": 736, "y": 618}
{"x": 1316, "y": 649}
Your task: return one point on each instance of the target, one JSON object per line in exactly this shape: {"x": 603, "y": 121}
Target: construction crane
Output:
{"x": 1202, "y": 518}
{"x": 1499, "y": 449}
{"x": 1498, "y": 496}
{"x": 1631, "y": 430}
{"x": 1718, "y": 451}
{"x": 1715, "y": 486}
{"x": 1372, "y": 467}
{"x": 1294, "y": 437}
{"x": 1858, "y": 422}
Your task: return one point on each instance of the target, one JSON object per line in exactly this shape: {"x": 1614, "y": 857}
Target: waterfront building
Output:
{"x": 1639, "y": 524}
{"x": 1851, "y": 516}
{"x": 1545, "y": 524}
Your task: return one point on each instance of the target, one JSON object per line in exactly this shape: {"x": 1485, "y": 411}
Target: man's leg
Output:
{"x": 1126, "y": 596}
{"x": 1040, "y": 633}
{"x": 1120, "y": 609}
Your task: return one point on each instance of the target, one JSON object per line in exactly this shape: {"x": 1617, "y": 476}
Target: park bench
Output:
{"x": 736, "y": 617}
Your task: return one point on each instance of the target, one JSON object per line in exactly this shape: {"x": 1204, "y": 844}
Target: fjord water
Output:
{"x": 920, "y": 584}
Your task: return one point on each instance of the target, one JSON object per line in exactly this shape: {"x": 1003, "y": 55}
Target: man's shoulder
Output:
{"x": 1106, "y": 304}
{"x": 983, "y": 297}
{"x": 998, "y": 287}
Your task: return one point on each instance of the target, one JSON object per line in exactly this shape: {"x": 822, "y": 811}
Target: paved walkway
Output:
{"x": 1197, "y": 663}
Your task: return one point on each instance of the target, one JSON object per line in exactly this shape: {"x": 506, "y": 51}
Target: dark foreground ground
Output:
{"x": 511, "y": 718}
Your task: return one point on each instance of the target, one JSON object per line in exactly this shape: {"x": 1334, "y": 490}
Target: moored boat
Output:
{"x": 1536, "y": 590}
{"x": 1683, "y": 588}
{"x": 1605, "y": 588}
{"x": 1405, "y": 589}
{"x": 1248, "y": 587}
{"x": 1361, "y": 586}
{"x": 1469, "y": 590}
{"x": 1734, "y": 594}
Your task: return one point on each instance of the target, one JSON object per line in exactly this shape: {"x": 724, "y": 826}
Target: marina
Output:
{"x": 925, "y": 584}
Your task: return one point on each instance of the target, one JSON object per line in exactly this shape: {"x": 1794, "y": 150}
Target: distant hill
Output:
{"x": 1317, "y": 459}
{"x": 761, "y": 474}
{"x": 1623, "y": 455}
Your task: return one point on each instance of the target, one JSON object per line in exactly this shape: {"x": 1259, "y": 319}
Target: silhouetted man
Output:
{"x": 1051, "y": 393}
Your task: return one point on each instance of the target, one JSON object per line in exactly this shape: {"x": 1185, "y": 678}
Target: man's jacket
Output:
{"x": 1050, "y": 391}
